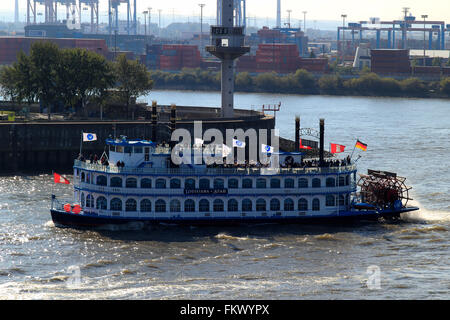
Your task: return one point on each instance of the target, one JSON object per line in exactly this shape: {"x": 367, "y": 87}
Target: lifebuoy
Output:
{"x": 67, "y": 207}
{"x": 76, "y": 209}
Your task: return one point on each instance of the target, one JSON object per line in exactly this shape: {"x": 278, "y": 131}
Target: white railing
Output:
{"x": 214, "y": 171}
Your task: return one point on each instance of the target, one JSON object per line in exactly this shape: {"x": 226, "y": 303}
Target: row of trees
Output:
{"x": 70, "y": 79}
{"x": 303, "y": 82}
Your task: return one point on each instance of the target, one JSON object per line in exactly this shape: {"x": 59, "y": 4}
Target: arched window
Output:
{"x": 175, "y": 205}
{"x": 289, "y": 183}
{"x": 218, "y": 205}
{"x": 347, "y": 180}
{"x": 146, "y": 183}
{"x": 247, "y": 205}
{"x": 331, "y": 182}
{"x": 189, "y": 205}
{"x": 204, "y": 184}
{"x": 160, "y": 205}
{"x": 288, "y": 205}
{"x": 102, "y": 204}
{"x": 175, "y": 183}
{"x": 160, "y": 184}
{"x": 116, "y": 182}
{"x": 82, "y": 200}
{"x": 146, "y": 205}
{"x": 130, "y": 205}
{"x": 131, "y": 183}
{"x": 316, "y": 204}
{"x": 102, "y": 181}
{"x": 203, "y": 205}
{"x": 275, "y": 183}
{"x": 303, "y": 183}
{"x": 261, "y": 183}
{"x": 341, "y": 181}
{"x": 247, "y": 183}
{"x": 260, "y": 205}
{"x": 274, "y": 205}
{"x": 115, "y": 204}
{"x": 233, "y": 183}
{"x": 89, "y": 201}
{"x": 330, "y": 200}
{"x": 316, "y": 183}
{"x": 189, "y": 184}
{"x": 82, "y": 176}
{"x": 219, "y": 183}
{"x": 233, "y": 205}
{"x": 302, "y": 204}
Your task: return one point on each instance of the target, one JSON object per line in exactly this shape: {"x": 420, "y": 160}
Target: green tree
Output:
{"x": 16, "y": 81}
{"x": 304, "y": 80}
{"x": 445, "y": 86}
{"x": 86, "y": 76}
{"x": 244, "y": 81}
{"x": 44, "y": 59}
{"x": 133, "y": 79}
{"x": 413, "y": 86}
{"x": 330, "y": 84}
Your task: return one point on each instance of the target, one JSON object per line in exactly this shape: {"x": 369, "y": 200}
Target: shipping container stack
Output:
{"x": 390, "y": 61}
{"x": 153, "y": 56}
{"x": 177, "y": 56}
{"x": 281, "y": 58}
{"x": 11, "y": 46}
{"x": 317, "y": 65}
{"x": 246, "y": 64}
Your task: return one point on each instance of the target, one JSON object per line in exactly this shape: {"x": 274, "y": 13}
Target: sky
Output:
{"x": 356, "y": 10}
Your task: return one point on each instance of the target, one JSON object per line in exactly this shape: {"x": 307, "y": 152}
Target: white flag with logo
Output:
{"x": 89, "y": 136}
{"x": 266, "y": 149}
{"x": 238, "y": 143}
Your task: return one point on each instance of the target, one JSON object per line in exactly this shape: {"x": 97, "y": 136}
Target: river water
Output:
{"x": 408, "y": 259}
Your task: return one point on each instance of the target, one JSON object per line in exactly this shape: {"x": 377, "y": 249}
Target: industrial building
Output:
{"x": 408, "y": 33}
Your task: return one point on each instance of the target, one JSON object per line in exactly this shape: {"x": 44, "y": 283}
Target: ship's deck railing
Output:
{"x": 214, "y": 171}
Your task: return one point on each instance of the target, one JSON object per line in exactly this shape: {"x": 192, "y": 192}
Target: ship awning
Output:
{"x": 130, "y": 143}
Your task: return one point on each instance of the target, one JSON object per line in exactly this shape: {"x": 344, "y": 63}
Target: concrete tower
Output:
{"x": 278, "y": 13}
{"x": 16, "y": 12}
{"x": 227, "y": 44}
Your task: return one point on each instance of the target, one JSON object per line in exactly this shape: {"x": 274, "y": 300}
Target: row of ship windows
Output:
{"x": 204, "y": 205}
{"x": 218, "y": 183}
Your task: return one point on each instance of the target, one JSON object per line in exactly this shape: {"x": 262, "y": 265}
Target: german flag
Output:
{"x": 361, "y": 145}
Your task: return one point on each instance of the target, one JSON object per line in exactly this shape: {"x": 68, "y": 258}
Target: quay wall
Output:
{"x": 42, "y": 146}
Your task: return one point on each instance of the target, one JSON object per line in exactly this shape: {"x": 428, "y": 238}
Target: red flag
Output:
{"x": 336, "y": 148}
{"x": 304, "y": 147}
{"x": 60, "y": 179}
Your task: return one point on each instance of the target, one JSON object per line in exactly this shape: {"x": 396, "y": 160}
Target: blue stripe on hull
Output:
{"x": 61, "y": 218}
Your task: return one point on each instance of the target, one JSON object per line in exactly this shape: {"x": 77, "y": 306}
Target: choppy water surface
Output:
{"x": 410, "y": 137}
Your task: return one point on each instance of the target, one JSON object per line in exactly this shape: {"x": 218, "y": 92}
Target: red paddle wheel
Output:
{"x": 383, "y": 189}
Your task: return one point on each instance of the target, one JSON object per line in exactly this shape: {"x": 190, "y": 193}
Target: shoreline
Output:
{"x": 303, "y": 82}
{"x": 327, "y": 94}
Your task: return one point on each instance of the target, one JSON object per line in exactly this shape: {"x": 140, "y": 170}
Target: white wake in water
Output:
{"x": 425, "y": 215}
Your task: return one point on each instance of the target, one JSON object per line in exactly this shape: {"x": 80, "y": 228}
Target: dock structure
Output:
{"x": 49, "y": 145}
{"x": 227, "y": 44}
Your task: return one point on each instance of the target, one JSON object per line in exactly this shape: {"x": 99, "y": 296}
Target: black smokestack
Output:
{"x": 322, "y": 133}
{"x": 297, "y": 134}
{"x": 154, "y": 121}
{"x": 173, "y": 122}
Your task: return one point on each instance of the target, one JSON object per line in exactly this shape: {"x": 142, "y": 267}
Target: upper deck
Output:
{"x": 237, "y": 170}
